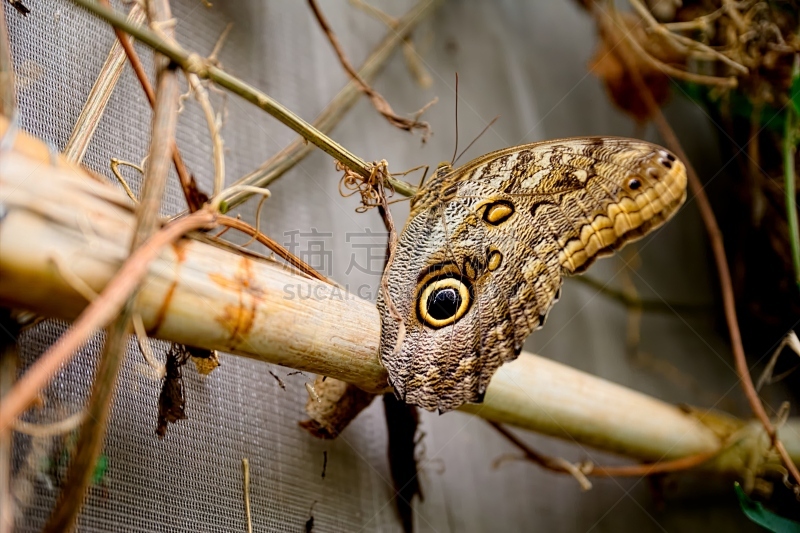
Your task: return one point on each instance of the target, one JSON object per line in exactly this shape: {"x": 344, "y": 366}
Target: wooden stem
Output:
{"x": 195, "y": 64}
{"x": 280, "y": 163}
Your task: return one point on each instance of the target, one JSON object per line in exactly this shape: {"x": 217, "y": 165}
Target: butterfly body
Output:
{"x": 481, "y": 260}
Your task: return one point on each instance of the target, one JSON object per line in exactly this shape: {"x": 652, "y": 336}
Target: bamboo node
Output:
{"x": 197, "y": 64}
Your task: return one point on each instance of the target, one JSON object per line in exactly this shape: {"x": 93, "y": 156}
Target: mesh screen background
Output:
{"x": 525, "y": 62}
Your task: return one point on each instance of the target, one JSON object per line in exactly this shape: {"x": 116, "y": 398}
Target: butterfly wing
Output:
{"x": 480, "y": 262}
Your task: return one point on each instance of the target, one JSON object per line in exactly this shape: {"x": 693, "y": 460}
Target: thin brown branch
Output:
{"x": 717, "y": 245}
{"x": 555, "y": 464}
{"x": 378, "y": 101}
{"x": 194, "y": 198}
{"x": 277, "y": 165}
{"x": 279, "y": 250}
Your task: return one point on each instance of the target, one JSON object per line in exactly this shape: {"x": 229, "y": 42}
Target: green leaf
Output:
{"x": 766, "y": 519}
{"x": 794, "y": 93}
{"x": 102, "y": 466}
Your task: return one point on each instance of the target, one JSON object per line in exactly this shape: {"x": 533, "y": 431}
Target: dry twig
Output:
{"x": 194, "y": 197}
{"x": 246, "y": 474}
{"x": 557, "y": 464}
{"x": 92, "y": 433}
{"x": 378, "y": 101}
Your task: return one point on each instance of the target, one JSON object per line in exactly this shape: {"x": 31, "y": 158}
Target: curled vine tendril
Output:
{"x": 372, "y": 189}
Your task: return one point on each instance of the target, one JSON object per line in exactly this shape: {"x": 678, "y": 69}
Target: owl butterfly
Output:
{"x": 480, "y": 262}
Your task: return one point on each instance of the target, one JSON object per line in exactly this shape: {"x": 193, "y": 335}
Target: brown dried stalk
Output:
{"x": 557, "y": 465}
{"x": 378, "y": 101}
{"x": 714, "y": 235}
{"x": 194, "y": 197}
{"x": 96, "y": 102}
{"x": 279, "y": 250}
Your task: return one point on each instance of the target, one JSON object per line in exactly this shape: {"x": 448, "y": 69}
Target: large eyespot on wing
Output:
{"x": 443, "y": 300}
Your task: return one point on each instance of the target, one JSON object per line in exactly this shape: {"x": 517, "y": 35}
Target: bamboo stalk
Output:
{"x": 212, "y": 298}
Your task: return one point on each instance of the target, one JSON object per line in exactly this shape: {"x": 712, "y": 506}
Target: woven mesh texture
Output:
{"x": 192, "y": 479}
{"x": 525, "y": 61}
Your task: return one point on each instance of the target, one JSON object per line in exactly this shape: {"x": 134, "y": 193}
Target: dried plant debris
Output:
{"x": 608, "y": 66}
{"x": 195, "y": 197}
{"x": 310, "y": 521}
{"x": 324, "y": 463}
{"x": 171, "y": 401}
{"x": 20, "y": 7}
{"x": 205, "y": 360}
{"x": 278, "y": 379}
{"x": 336, "y": 404}
{"x": 402, "y": 421}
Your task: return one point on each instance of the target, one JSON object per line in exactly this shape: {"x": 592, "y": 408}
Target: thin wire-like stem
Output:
{"x": 790, "y": 187}
{"x": 378, "y": 101}
{"x": 214, "y": 127}
{"x": 557, "y": 465}
{"x": 195, "y": 64}
{"x": 115, "y": 164}
{"x": 283, "y": 161}
{"x": 279, "y": 250}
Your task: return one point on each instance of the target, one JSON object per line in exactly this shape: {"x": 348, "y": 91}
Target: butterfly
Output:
{"x": 482, "y": 257}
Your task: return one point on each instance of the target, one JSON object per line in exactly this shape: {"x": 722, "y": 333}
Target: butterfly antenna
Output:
{"x": 455, "y": 150}
{"x": 489, "y": 125}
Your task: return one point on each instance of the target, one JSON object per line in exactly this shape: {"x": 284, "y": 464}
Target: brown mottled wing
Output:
{"x": 503, "y": 230}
